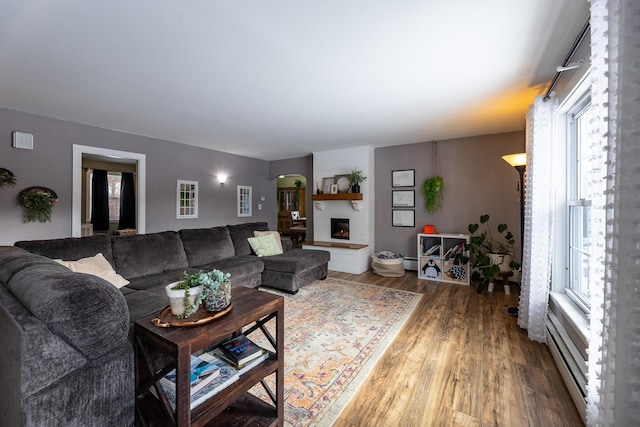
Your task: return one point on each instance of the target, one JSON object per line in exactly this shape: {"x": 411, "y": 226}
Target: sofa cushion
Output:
{"x": 238, "y": 267}
{"x": 203, "y": 245}
{"x": 155, "y": 283}
{"x": 71, "y": 248}
{"x": 145, "y": 254}
{"x": 265, "y": 245}
{"x": 276, "y": 234}
{"x": 87, "y": 312}
{"x": 296, "y": 260}
{"x": 241, "y": 232}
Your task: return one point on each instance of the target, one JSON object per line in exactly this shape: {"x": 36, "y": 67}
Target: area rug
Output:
{"x": 335, "y": 332}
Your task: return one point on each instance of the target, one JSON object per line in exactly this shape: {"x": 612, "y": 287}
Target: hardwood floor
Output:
{"x": 460, "y": 360}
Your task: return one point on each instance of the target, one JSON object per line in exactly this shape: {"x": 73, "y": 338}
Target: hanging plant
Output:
{"x": 433, "y": 188}
{"x": 7, "y": 177}
{"x": 38, "y": 203}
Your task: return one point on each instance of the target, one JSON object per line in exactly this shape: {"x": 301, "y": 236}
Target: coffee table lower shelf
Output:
{"x": 247, "y": 411}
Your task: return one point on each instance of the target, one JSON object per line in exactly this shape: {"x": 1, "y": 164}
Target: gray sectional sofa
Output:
{"x": 66, "y": 355}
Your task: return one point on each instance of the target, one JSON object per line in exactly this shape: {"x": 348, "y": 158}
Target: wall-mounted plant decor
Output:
{"x": 433, "y": 188}
{"x": 38, "y": 203}
{"x": 7, "y": 177}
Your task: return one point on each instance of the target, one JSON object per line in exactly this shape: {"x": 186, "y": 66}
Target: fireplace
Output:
{"x": 340, "y": 228}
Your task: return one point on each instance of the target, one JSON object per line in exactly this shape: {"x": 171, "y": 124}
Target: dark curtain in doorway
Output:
{"x": 127, "y": 202}
{"x": 100, "y": 201}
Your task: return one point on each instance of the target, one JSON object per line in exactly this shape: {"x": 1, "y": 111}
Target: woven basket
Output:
{"x": 387, "y": 267}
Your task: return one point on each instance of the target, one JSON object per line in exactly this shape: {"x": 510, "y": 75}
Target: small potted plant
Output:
{"x": 185, "y": 296}
{"x": 356, "y": 177}
{"x": 38, "y": 203}
{"x": 7, "y": 177}
{"x": 433, "y": 190}
{"x": 488, "y": 256}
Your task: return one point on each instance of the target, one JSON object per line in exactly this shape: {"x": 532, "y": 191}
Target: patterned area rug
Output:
{"x": 335, "y": 332}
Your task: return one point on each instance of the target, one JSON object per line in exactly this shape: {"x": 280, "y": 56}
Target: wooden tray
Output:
{"x": 165, "y": 319}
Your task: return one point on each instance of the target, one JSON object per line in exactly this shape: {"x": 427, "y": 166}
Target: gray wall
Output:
{"x": 476, "y": 180}
{"x": 49, "y": 164}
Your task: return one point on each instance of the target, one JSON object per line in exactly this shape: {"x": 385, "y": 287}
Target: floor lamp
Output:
{"x": 519, "y": 162}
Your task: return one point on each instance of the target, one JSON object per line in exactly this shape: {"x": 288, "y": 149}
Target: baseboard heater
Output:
{"x": 410, "y": 263}
{"x": 571, "y": 365}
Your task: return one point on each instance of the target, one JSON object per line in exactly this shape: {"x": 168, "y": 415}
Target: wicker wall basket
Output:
{"x": 387, "y": 267}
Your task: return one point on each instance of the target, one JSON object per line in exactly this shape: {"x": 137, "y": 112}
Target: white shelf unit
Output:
{"x": 435, "y": 258}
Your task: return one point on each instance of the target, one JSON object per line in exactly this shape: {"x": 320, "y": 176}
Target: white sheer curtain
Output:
{"x": 613, "y": 391}
{"x": 538, "y": 218}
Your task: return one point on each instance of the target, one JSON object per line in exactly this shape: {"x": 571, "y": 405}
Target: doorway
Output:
{"x": 79, "y": 151}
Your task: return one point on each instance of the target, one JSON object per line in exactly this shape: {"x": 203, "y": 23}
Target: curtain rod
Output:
{"x": 574, "y": 48}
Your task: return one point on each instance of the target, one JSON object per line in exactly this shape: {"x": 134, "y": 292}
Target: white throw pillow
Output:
{"x": 276, "y": 234}
{"x": 97, "y": 266}
{"x": 265, "y": 245}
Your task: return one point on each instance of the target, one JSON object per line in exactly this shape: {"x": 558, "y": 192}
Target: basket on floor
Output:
{"x": 386, "y": 266}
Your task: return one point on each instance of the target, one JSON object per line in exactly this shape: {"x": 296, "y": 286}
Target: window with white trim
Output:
{"x": 578, "y": 203}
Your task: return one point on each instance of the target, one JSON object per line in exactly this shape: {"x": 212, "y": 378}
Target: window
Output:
{"x": 187, "y": 200}
{"x": 244, "y": 201}
{"x": 579, "y": 189}
{"x": 113, "y": 188}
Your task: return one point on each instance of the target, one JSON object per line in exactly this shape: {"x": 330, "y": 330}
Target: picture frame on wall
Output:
{"x": 403, "y": 199}
{"x": 403, "y": 178}
{"x": 326, "y": 184}
{"x": 403, "y": 218}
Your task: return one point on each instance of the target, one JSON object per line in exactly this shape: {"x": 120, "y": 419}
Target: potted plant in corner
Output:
{"x": 488, "y": 256}
{"x": 356, "y": 177}
{"x": 185, "y": 296}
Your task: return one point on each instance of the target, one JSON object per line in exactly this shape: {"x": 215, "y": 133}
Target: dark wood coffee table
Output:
{"x": 231, "y": 406}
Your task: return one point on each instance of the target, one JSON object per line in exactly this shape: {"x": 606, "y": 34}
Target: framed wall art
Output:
{"x": 244, "y": 201}
{"x": 333, "y": 189}
{"x": 403, "y": 218}
{"x": 403, "y": 178}
{"x": 403, "y": 198}
{"x": 326, "y": 184}
{"x": 187, "y": 199}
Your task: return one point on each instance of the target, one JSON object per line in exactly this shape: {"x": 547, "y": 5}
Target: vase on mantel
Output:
{"x": 355, "y": 189}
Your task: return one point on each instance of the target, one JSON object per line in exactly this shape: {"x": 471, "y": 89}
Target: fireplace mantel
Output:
{"x": 355, "y": 199}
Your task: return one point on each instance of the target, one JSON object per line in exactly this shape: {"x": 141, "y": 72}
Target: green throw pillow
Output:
{"x": 265, "y": 245}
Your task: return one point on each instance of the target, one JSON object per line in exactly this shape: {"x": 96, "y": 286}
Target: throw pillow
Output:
{"x": 264, "y": 245}
{"x": 276, "y": 234}
{"x": 97, "y": 266}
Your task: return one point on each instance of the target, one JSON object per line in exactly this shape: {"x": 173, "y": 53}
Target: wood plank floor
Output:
{"x": 460, "y": 360}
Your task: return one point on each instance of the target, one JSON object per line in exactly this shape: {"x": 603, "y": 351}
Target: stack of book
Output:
{"x": 213, "y": 372}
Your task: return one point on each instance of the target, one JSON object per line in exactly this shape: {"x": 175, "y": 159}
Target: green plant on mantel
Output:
{"x": 357, "y": 177}
{"x": 481, "y": 247}
{"x": 38, "y": 204}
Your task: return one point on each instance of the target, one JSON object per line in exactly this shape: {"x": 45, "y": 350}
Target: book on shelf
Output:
{"x": 204, "y": 369}
{"x": 432, "y": 250}
{"x": 241, "y": 350}
{"x": 227, "y": 376}
{"x": 218, "y": 352}
{"x": 451, "y": 251}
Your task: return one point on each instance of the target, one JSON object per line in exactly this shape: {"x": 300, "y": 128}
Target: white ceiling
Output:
{"x": 281, "y": 79}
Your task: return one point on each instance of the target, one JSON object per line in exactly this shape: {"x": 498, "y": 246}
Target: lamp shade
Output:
{"x": 516, "y": 159}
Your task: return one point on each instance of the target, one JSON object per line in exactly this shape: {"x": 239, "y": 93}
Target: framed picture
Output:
{"x": 403, "y": 218}
{"x": 244, "y": 201}
{"x": 333, "y": 189}
{"x": 326, "y": 184}
{"x": 187, "y": 199}
{"x": 403, "y": 178}
{"x": 403, "y": 198}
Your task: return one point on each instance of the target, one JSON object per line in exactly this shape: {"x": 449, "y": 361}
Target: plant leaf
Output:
{"x": 484, "y": 218}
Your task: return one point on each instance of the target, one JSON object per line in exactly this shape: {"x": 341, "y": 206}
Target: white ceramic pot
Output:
{"x": 502, "y": 260}
{"x": 176, "y": 298}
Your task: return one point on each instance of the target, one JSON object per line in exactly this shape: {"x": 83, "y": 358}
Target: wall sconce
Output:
{"x": 222, "y": 178}
{"x": 519, "y": 162}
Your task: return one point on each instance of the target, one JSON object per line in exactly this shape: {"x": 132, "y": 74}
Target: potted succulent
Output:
{"x": 356, "y": 177}
{"x": 185, "y": 296}
{"x": 38, "y": 203}
{"x": 488, "y": 256}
